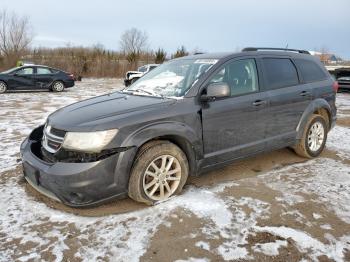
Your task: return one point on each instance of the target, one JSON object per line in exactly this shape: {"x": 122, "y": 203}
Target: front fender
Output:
{"x": 313, "y": 106}
{"x": 169, "y": 128}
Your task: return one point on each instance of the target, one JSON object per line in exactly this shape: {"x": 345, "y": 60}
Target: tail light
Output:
{"x": 335, "y": 86}
{"x": 71, "y": 76}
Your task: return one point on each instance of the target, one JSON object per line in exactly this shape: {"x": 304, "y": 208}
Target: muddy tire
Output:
{"x": 3, "y": 87}
{"x": 58, "y": 86}
{"x": 314, "y": 138}
{"x": 160, "y": 171}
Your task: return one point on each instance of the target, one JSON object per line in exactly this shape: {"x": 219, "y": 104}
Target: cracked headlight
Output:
{"x": 90, "y": 142}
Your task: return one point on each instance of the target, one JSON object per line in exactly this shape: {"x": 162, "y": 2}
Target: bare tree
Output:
{"x": 132, "y": 43}
{"x": 324, "y": 55}
{"x": 15, "y": 36}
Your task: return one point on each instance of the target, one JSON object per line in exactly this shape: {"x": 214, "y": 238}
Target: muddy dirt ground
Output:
{"x": 273, "y": 207}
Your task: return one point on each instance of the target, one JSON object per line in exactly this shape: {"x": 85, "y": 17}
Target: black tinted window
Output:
{"x": 310, "y": 71}
{"x": 280, "y": 72}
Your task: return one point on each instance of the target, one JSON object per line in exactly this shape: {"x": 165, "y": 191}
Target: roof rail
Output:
{"x": 275, "y": 49}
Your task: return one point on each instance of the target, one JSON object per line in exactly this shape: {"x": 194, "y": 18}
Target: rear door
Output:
{"x": 23, "y": 78}
{"x": 288, "y": 99}
{"x": 234, "y": 127}
{"x": 43, "y": 77}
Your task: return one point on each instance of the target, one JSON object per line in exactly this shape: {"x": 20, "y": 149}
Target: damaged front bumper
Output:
{"x": 75, "y": 184}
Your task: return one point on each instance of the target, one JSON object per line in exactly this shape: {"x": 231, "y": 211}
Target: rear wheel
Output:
{"x": 314, "y": 138}
{"x": 58, "y": 86}
{"x": 3, "y": 87}
{"x": 159, "y": 172}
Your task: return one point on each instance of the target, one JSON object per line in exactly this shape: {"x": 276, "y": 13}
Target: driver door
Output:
{"x": 234, "y": 127}
{"x": 23, "y": 78}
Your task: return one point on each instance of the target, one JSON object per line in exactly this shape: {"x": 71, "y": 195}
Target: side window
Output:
{"x": 43, "y": 71}
{"x": 240, "y": 75}
{"x": 279, "y": 72}
{"x": 142, "y": 69}
{"x": 310, "y": 71}
{"x": 25, "y": 71}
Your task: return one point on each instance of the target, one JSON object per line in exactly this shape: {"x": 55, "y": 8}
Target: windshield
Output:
{"x": 9, "y": 71}
{"x": 172, "y": 79}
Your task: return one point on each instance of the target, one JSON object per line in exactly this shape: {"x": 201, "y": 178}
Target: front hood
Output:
{"x": 102, "y": 112}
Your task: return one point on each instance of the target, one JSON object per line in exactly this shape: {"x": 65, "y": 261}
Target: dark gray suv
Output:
{"x": 187, "y": 116}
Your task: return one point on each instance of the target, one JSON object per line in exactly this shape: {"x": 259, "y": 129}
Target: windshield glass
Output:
{"x": 172, "y": 79}
{"x": 9, "y": 71}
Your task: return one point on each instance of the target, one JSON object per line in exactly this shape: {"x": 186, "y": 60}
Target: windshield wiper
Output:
{"x": 139, "y": 90}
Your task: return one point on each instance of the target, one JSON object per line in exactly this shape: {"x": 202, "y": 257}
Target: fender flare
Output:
{"x": 182, "y": 135}
{"x": 3, "y": 80}
{"x": 312, "y": 107}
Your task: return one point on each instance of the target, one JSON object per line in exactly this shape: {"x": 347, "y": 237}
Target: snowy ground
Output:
{"x": 274, "y": 207}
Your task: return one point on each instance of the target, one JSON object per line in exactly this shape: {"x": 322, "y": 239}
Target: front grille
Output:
{"x": 57, "y": 132}
{"x": 52, "y": 139}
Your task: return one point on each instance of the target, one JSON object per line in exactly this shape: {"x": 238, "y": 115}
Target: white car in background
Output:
{"x": 132, "y": 76}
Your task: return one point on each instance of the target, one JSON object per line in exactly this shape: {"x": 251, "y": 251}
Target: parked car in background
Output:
{"x": 186, "y": 117}
{"x": 344, "y": 83}
{"x": 34, "y": 77}
{"x": 132, "y": 76}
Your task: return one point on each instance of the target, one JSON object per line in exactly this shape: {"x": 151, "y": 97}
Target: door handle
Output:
{"x": 259, "y": 102}
{"x": 304, "y": 93}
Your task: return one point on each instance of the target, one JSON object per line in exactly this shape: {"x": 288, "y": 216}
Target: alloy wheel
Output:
{"x": 58, "y": 86}
{"x": 2, "y": 87}
{"x": 315, "y": 136}
{"x": 162, "y": 177}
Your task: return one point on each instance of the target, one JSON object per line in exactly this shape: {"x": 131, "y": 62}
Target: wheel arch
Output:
{"x": 4, "y": 81}
{"x": 182, "y": 136}
{"x": 318, "y": 107}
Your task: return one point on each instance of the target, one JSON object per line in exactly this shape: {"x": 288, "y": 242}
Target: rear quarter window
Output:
{"x": 310, "y": 71}
{"x": 279, "y": 72}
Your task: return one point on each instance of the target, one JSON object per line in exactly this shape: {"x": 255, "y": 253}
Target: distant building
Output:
{"x": 327, "y": 59}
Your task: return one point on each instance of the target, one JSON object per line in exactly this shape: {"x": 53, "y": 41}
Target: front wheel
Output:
{"x": 314, "y": 138}
{"x": 58, "y": 86}
{"x": 3, "y": 87}
{"x": 159, "y": 172}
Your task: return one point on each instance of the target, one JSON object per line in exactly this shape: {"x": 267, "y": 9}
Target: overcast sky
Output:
{"x": 211, "y": 26}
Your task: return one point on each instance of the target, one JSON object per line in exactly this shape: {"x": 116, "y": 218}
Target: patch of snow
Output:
{"x": 203, "y": 245}
{"x": 233, "y": 253}
{"x": 339, "y": 139}
{"x": 343, "y": 103}
{"x": 296, "y": 215}
{"x": 270, "y": 249}
{"x": 307, "y": 244}
{"x": 316, "y": 216}
{"x": 326, "y": 226}
{"x": 326, "y": 178}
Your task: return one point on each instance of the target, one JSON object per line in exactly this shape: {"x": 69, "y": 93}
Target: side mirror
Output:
{"x": 216, "y": 90}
